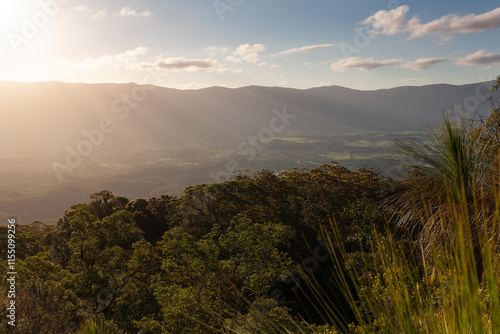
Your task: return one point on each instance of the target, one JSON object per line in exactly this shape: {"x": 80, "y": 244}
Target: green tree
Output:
{"x": 210, "y": 281}
{"x": 45, "y": 302}
{"x": 104, "y": 203}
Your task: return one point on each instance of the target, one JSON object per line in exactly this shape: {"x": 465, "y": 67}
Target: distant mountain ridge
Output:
{"x": 52, "y": 115}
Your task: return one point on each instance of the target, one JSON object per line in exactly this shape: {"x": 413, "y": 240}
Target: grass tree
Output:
{"x": 455, "y": 176}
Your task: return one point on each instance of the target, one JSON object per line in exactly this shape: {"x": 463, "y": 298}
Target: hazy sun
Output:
{"x": 11, "y": 13}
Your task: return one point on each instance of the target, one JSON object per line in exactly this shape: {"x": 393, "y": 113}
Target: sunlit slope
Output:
{"x": 50, "y": 116}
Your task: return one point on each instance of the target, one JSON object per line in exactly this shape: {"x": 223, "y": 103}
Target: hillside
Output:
{"x": 141, "y": 141}
{"x": 52, "y": 115}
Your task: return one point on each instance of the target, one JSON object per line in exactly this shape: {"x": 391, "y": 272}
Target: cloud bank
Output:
{"x": 305, "y": 49}
{"x": 126, "y": 59}
{"x": 127, "y": 11}
{"x": 363, "y": 64}
{"x": 247, "y": 52}
{"x": 367, "y": 64}
{"x": 391, "y": 22}
{"x": 479, "y": 58}
{"x": 181, "y": 63}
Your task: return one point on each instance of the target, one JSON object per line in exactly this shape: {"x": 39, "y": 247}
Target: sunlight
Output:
{"x": 11, "y": 12}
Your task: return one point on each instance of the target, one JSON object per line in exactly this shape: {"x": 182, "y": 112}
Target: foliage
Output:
{"x": 92, "y": 326}
{"x": 203, "y": 262}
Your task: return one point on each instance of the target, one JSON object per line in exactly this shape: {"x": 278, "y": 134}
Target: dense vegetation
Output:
{"x": 195, "y": 263}
{"x": 320, "y": 250}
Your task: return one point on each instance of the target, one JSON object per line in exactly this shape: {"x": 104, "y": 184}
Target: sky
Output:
{"x": 192, "y": 44}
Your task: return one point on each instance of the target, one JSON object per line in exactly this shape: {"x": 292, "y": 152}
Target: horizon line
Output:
{"x": 234, "y": 88}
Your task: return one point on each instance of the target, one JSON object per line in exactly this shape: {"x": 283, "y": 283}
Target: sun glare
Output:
{"x": 11, "y": 13}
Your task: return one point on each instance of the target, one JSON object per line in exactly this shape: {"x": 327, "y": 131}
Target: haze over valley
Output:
{"x": 68, "y": 140}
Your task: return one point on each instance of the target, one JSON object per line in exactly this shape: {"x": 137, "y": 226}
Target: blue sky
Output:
{"x": 190, "y": 44}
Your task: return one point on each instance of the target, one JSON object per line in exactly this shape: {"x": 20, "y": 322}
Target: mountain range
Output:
{"x": 142, "y": 141}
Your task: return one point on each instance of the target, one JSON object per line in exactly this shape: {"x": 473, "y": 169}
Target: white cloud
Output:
{"x": 388, "y": 22}
{"x": 304, "y": 49}
{"x": 363, "y": 64}
{"x": 127, "y": 11}
{"x": 131, "y": 55}
{"x": 180, "y": 63}
{"x": 395, "y": 22}
{"x": 130, "y": 60}
{"x": 100, "y": 14}
{"x": 367, "y": 64}
{"x": 126, "y": 59}
{"x": 214, "y": 50}
{"x": 422, "y": 63}
{"x": 247, "y": 52}
{"x": 479, "y": 58}
{"x": 233, "y": 59}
